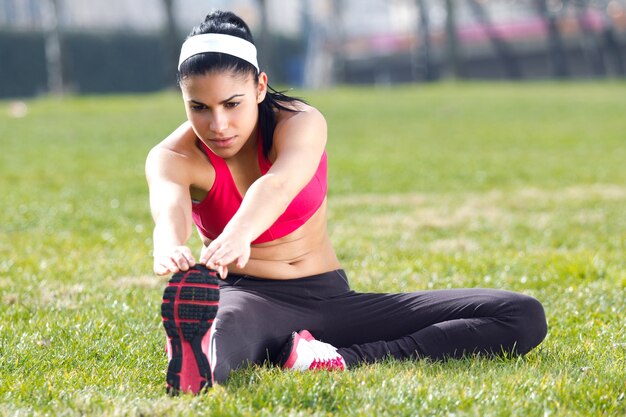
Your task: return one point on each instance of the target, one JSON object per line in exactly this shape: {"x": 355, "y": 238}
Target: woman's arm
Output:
{"x": 170, "y": 204}
{"x": 299, "y": 142}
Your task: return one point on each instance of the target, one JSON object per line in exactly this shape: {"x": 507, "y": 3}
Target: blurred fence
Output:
{"x": 120, "y": 46}
{"x": 92, "y": 63}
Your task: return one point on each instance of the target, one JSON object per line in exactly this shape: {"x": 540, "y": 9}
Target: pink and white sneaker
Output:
{"x": 190, "y": 303}
{"x": 303, "y": 352}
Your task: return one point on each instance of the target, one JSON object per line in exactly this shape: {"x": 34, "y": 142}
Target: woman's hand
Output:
{"x": 227, "y": 248}
{"x": 173, "y": 260}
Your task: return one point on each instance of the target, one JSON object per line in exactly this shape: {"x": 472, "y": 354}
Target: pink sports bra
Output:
{"x": 223, "y": 200}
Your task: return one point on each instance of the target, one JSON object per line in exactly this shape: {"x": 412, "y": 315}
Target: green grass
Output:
{"x": 521, "y": 187}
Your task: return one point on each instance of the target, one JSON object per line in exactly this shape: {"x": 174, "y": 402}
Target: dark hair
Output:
{"x": 228, "y": 23}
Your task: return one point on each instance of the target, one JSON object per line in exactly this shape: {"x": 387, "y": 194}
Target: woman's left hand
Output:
{"x": 227, "y": 248}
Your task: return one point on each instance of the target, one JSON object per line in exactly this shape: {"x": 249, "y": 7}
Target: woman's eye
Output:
{"x": 231, "y": 104}
{"x": 197, "y": 107}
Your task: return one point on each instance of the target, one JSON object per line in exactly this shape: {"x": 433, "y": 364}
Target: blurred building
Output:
{"x": 134, "y": 15}
{"x": 403, "y": 41}
{"x": 118, "y": 45}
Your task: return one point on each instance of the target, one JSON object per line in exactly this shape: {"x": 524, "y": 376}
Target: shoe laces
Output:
{"x": 325, "y": 356}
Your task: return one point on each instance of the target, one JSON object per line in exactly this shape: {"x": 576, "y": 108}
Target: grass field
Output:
{"x": 520, "y": 187}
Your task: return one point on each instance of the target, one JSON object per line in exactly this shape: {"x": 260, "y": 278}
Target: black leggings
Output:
{"x": 257, "y": 316}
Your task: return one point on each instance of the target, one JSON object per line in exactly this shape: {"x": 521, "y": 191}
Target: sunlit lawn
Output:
{"x": 521, "y": 187}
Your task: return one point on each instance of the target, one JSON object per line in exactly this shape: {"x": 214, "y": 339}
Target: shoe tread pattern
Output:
{"x": 192, "y": 297}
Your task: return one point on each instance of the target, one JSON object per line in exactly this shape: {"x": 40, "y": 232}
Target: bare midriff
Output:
{"x": 304, "y": 252}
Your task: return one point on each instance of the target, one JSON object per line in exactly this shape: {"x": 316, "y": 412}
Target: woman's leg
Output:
{"x": 434, "y": 324}
{"x": 255, "y": 319}
{"x": 211, "y": 332}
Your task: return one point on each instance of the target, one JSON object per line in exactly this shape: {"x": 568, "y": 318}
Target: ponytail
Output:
{"x": 274, "y": 100}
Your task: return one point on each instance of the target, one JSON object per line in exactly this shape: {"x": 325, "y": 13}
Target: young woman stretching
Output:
{"x": 249, "y": 168}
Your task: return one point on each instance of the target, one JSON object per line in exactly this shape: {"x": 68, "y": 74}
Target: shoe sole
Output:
{"x": 190, "y": 303}
{"x": 288, "y": 356}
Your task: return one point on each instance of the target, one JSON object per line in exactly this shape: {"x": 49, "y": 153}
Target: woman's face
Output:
{"x": 223, "y": 108}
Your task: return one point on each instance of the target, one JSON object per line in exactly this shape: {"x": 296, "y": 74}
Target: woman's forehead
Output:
{"x": 218, "y": 77}
{"x": 217, "y": 84}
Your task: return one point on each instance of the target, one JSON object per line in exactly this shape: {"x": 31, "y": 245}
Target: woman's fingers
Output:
{"x": 184, "y": 258}
{"x": 165, "y": 267}
{"x": 243, "y": 260}
{"x": 216, "y": 254}
{"x": 160, "y": 269}
{"x": 222, "y": 271}
{"x": 225, "y": 250}
{"x": 226, "y": 257}
{"x": 207, "y": 253}
{"x": 208, "y": 258}
{"x": 176, "y": 259}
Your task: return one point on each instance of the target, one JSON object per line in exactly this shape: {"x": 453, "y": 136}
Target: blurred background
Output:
{"x": 102, "y": 46}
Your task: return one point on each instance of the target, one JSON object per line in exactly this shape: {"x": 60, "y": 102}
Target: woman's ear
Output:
{"x": 261, "y": 87}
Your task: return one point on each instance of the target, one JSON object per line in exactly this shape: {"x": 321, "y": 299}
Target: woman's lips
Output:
{"x": 223, "y": 142}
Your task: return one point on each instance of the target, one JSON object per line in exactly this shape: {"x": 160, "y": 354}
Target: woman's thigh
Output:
{"x": 252, "y": 327}
{"x": 367, "y": 317}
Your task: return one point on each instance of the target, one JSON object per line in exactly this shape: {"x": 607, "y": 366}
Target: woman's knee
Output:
{"x": 241, "y": 339}
{"x": 531, "y": 323}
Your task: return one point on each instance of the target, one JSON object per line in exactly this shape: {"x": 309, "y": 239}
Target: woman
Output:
{"x": 249, "y": 169}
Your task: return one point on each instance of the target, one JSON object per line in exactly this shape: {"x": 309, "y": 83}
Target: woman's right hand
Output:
{"x": 173, "y": 260}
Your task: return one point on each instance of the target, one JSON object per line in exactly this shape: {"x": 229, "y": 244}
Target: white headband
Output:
{"x": 217, "y": 42}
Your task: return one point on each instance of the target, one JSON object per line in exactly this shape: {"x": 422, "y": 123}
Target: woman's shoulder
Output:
{"x": 300, "y": 111}
{"x": 178, "y": 152}
{"x": 299, "y": 135}
{"x": 301, "y": 117}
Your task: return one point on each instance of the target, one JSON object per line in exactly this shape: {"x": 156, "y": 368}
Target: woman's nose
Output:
{"x": 218, "y": 123}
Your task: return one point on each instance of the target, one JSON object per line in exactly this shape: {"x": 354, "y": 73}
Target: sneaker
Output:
{"x": 303, "y": 352}
{"x": 190, "y": 303}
